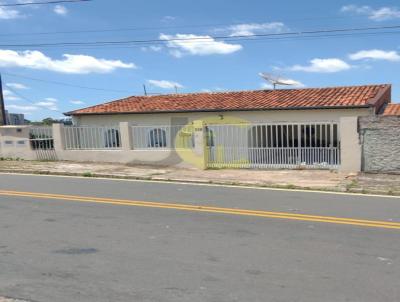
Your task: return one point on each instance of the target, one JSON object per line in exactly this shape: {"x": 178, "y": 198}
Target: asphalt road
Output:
{"x": 63, "y": 248}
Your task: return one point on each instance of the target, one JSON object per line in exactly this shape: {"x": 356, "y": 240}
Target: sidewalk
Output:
{"x": 291, "y": 179}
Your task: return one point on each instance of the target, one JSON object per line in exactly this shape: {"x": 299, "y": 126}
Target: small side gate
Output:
{"x": 42, "y": 142}
{"x": 274, "y": 145}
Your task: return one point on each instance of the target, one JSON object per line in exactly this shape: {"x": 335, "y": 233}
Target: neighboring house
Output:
{"x": 392, "y": 110}
{"x": 14, "y": 118}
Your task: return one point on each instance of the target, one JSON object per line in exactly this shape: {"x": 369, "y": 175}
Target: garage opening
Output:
{"x": 276, "y": 145}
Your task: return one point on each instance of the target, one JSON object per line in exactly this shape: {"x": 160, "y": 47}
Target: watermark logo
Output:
{"x": 199, "y": 143}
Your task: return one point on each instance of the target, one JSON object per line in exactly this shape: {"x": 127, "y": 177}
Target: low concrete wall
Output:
{"x": 137, "y": 157}
{"x": 15, "y": 144}
{"x": 380, "y": 137}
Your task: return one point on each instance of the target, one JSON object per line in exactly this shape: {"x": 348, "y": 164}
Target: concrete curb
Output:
{"x": 199, "y": 181}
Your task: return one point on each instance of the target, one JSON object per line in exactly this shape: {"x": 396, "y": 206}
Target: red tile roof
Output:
{"x": 392, "y": 109}
{"x": 310, "y": 98}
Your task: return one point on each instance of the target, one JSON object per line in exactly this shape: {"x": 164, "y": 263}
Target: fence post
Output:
{"x": 350, "y": 145}
{"x": 126, "y": 136}
{"x": 58, "y": 137}
{"x": 200, "y": 148}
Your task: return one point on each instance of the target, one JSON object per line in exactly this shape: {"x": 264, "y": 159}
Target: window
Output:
{"x": 209, "y": 137}
{"x": 157, "y": 138}
{"x": 112, "y": 139}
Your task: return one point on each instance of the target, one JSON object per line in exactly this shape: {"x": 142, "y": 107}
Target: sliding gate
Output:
{"x": 274, "y": 145}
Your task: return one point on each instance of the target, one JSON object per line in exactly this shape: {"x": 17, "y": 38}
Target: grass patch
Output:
{"x": 290, "y": 187}
{"x": 10, "y": 159}
{"x": 352, "y": 185}
{"x": 87, "y": 174}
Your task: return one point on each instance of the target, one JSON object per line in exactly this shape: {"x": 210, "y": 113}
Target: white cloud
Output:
{"x": 77, "y": 64}
{"x": 379, "y": 14}
{"x": 8, "y": 13}
{"x": 7, "y": 92}
{"x": 215, "y": 89}
{"x": 250, "y": 29}
{"x": 44, "y": 104}
{"x": 165, "y": 84}
{"x": 22, "y": 108}
{"x": 53, "y": 100}
{"x": 9, "y": 96}
{"x": 376, "y": 54}
{"x": 356, "y": 9}
{"x": 60, "y": 10}
{"x": 77, "y": 102}
{"x": 48, "y": 103}
{"x": 189, "y": 44}
{"x": 385, "y": 13}
{"x": 17, "y": 86}
{"x": 323, "y": 66}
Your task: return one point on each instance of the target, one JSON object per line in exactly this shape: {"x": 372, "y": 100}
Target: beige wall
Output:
{"x": 14, "y": 142}
{"x": 350, "y": 145}
{"x": 251, "y": 116}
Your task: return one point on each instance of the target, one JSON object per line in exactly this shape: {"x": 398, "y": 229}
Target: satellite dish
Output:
{"x": 276, "y": 80}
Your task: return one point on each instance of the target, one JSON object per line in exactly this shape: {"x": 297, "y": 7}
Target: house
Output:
{"x": 289, "y": 128}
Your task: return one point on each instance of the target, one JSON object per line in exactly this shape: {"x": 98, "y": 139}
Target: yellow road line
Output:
{"x": 208, "y": 209}
{"x": 200, "y": 184}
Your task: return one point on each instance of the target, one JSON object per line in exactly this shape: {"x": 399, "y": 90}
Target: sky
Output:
{"x": 46, "y": 80}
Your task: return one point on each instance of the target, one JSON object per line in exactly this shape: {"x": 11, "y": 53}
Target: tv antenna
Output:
{"x": 276, "y": 80}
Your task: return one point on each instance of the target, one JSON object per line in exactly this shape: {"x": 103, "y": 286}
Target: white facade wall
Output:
{"x": 322, "y": 115}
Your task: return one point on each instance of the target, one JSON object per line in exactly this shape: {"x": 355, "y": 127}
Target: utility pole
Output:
{"x": 3, "y": 120}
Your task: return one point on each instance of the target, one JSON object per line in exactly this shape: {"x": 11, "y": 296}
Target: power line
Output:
{"x": 64, "y": 84}
{"x": 31, "y": 102}
{"x": 252, "y": 40}
{"x": 42, "y": 3}
{"x": 225, "y": 25}
{"x": 207, "y": 38}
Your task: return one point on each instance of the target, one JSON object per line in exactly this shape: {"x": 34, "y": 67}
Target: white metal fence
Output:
{"x": 41, "y": 138}
{"x": 163, "y": 137}
{"x": 92, "y": 137}
{"x": 274, "y": 145}
{"x": 261, "y": 145}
